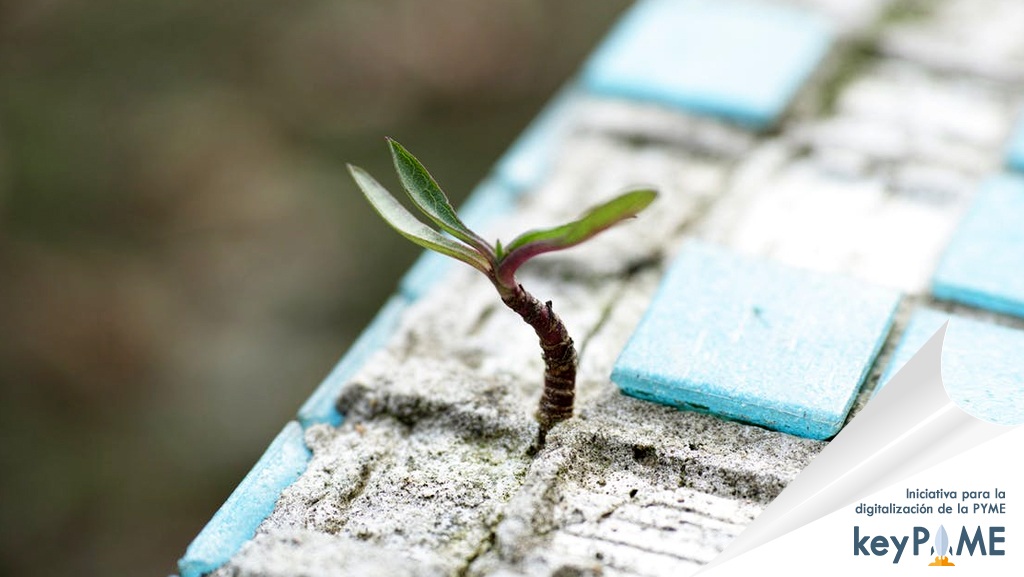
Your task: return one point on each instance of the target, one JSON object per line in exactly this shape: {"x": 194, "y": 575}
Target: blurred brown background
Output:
{"x": 183, "y": 257}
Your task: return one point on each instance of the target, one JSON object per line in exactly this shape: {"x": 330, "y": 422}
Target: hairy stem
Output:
{"x": 558, "y": 352}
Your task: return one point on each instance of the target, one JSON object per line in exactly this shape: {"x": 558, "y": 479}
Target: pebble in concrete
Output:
{"x": 984, "y": 264}
{"x": 754, "y": 341}
{"x": 982, "y": 368}
{"x": 250, "y": 503}
{"x": 739, "y": 60}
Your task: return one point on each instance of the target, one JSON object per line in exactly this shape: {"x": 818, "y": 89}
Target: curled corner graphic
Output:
{"x": 910, "y": 425}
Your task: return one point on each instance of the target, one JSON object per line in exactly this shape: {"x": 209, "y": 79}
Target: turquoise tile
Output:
{"x": 755, "y": 341}
{"x": 251, "y": 502}
{"x": 528, "y": 161}
{"x": 739, "y": 60}
{"x": 490, "y": 200}
{"x": 982, "y": 364}
{"x": 984, "y": 263}
{"x": 1015, "y": 152}
{"x": 320, "y": 406}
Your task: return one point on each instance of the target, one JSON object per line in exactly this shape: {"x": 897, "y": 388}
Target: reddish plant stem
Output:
{"x": 559, "y": 355}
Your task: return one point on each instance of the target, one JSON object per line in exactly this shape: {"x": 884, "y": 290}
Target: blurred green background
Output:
{"x": 183, "y": 257}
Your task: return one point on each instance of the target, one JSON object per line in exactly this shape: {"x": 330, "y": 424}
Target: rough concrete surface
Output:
{"x": 436, "y": 469}
{"x": 437, "y": 462}
{"x": 961, "y": 36}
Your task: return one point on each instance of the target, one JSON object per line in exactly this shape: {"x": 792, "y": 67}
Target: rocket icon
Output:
{"x": 940, "y": 548}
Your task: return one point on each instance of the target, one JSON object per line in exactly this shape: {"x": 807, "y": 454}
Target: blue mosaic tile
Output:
{"x": 251, "y": 502}
{"x": 320, "y": 406}
{"x": 527, "y": 162}
{"x": 490, "y": 200}
{"x": 739, "y": 60}
{"x": 984, "y": 263}
{"x": 982, "y": 364}
{"x": 755, "y": 341}
{"x": 1015, "y": 152}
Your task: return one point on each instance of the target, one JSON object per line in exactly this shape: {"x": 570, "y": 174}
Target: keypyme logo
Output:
{"x": 987, "y": 541}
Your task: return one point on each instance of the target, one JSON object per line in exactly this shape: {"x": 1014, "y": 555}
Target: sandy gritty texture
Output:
{"x": 437, "y": 470}
{"x": 452, "y": 484}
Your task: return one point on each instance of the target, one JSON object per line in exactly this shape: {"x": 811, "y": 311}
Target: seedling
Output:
{"x": 499, "y": 263}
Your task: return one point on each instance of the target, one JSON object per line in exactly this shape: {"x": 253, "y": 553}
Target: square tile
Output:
{"x": 751, "y": 340}
{"x": 735, "y": 59}
{"x": 984, "y": 263}
{"x": 982, "y": 365}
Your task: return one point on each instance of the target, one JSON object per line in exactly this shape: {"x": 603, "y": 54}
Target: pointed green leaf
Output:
{"x": 429, "y": 198}
{"x": 594, "y": 221}
{"x": 409, "y": 226}
{"x": 597, "y": 219}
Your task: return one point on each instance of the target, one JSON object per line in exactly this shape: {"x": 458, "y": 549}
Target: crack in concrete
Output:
{"x": 485, "y": 546}
{"x": 633, "y": 269}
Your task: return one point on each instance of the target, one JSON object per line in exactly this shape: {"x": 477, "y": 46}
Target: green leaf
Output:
{"x": 594, "y": 221}
{"x": 429, "y": 198}
{"x": 597, "y": 219}
{"x": 410, "y": 227}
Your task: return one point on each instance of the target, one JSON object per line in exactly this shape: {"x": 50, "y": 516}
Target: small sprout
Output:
{"x": 499, "y": 263}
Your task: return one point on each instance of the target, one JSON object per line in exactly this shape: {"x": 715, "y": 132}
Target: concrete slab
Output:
{"x": 806, "y": 215}
{"x": 896, "y": 113}
{"x": 287, "y": 553}
{"x": 637, "y": 488}
{"x": 643, "y": 121}
{"x": 435, "y": 470}
{"x": 960, "y": 37}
